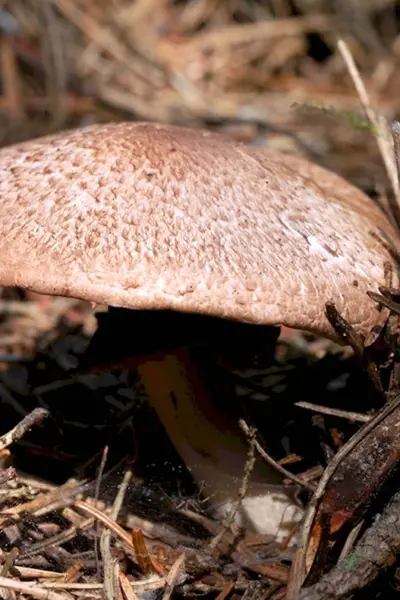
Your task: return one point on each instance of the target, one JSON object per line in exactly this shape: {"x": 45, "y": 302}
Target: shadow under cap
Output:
{"x": 149, "y": 216}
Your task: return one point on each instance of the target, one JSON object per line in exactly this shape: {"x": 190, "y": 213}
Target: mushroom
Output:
{"x": 172, "y": 223}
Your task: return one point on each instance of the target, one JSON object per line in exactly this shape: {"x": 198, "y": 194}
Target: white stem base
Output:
{"x": 215, "y": 450}
{"x": 266, "y": 509}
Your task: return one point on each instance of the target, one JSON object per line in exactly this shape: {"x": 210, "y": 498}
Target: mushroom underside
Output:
{"x": 170, "y": 352}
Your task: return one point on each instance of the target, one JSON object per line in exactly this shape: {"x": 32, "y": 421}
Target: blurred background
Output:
{"x": 265, "y": 71}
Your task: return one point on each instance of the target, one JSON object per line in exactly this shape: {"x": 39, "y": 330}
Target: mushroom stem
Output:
{"x": 213, "y": 447}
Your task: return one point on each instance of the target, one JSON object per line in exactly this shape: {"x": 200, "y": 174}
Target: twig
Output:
{"x": 126, "y": 587}
{"x": 234, "y": 34}
{"x": 119, "y": 499}
{"x": 117, "y": 572}
{"x": 384, "y": 148}
{"x": 11, "y": 81}
{"x": 104, "y": 39}
{"x": 54, "y": 60}
{"x": 334, "y": 412}
{"x": 384, "y": 301}
{"x": 298, "y": 570}
{"x": 60, "y": 497}
{"x": 248, "y": 469}
{"x": 351, "y": 337}
{"x": 344, "y": 329}
{"x": 30, "y": 573}
{"x": 163, "y": 532}
{"x": 10, "y": 559}
{"x": 351, "y": 539}
{"x": 171, "y": 579}
{"x": 147, "y": 564}
{"x": 56, "y": 540}
{"x": 142, "y": 585}
{"x": 395, "y": 126}
{"x": 110, "y": 581}
{"x": 30, "y": 590}
{"x": 225, "y": 592}
{"x": 376, "y": 550}
{"x": 34, "y": 418}
{"x": 120, "y": 533}
{"x": 205, "y": 589}
{"x": 274, "y": 464}
{"x": 99, "y": 477}
{"x": 74, "y": 572}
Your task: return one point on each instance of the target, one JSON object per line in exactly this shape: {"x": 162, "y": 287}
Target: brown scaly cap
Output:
{"x": 153, "y": 216}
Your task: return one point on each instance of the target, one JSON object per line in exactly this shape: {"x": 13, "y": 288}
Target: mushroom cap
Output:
{"x": 143, "y": 215}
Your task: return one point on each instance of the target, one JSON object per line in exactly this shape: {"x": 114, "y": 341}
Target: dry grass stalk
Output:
{"x": 377, "y": 124}
{"x": 34, "y": 418}
{"x": 126, "y": 587}
{"x": 172, "y": 577}
{"x": 30, "y": 590}
{"x": 111, "y": 579}
{"x": 273, "y": 463}
{"x": 248, "y": 469}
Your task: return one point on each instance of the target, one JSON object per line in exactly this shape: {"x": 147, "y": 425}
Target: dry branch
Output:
{"x": 34, "y": 418}
{"x": 376, "y": 551}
